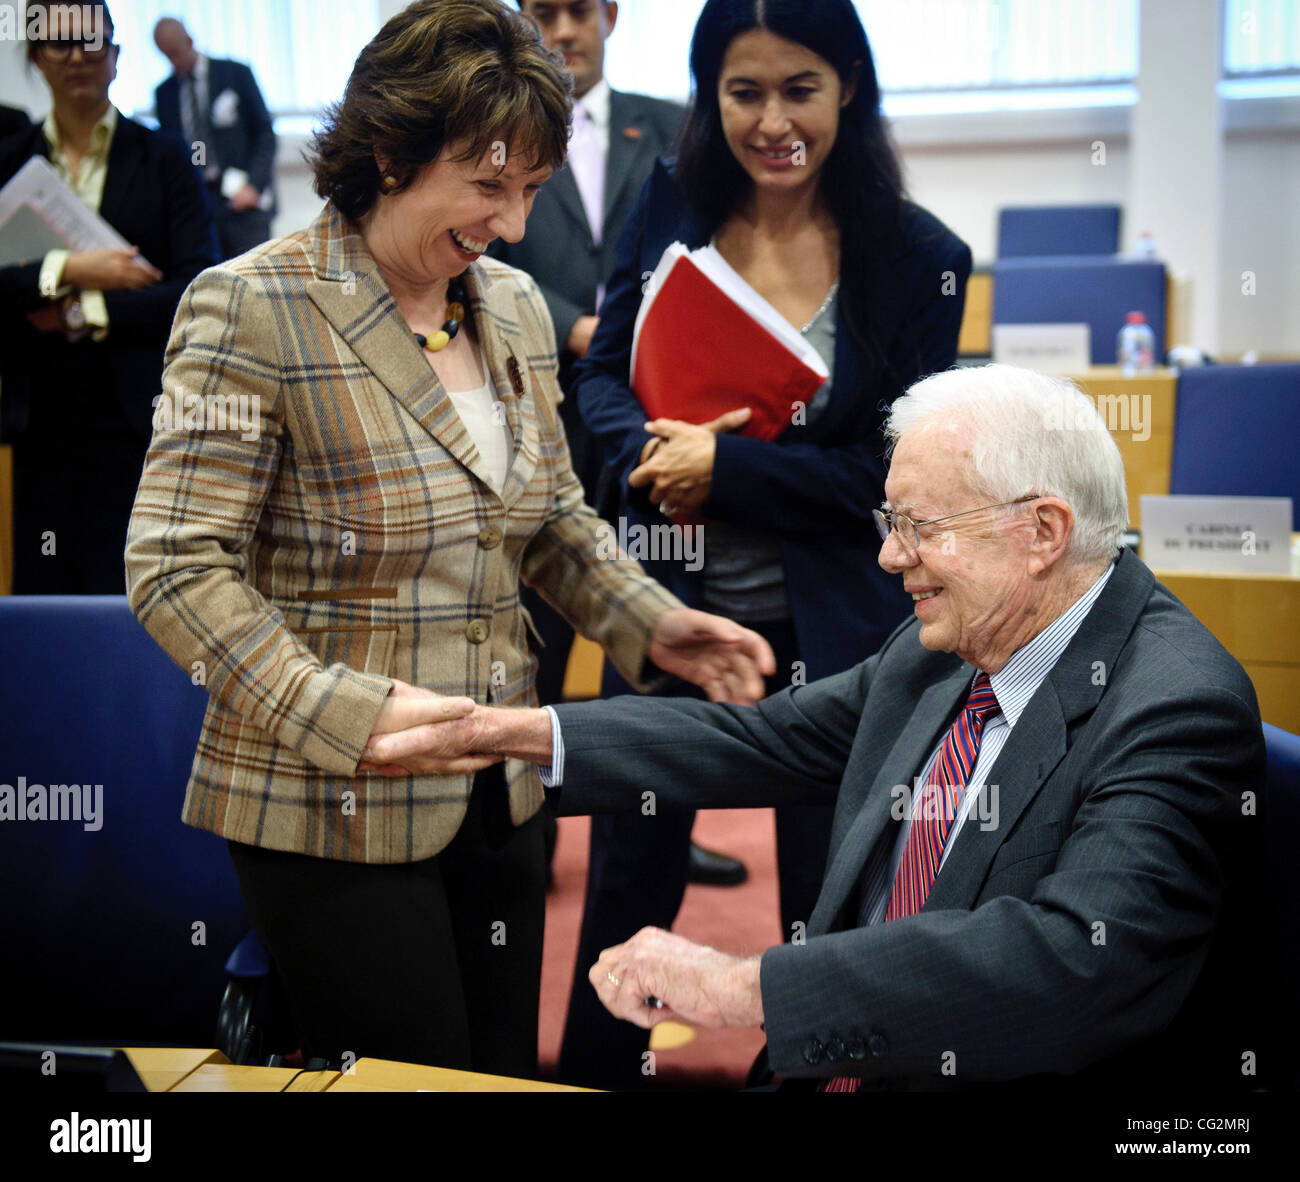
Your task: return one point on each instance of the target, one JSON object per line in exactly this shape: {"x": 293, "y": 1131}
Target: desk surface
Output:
{"x": 173, "y": 1069}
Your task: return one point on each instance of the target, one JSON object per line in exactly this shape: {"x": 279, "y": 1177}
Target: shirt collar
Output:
{"x": 1018, "y": 680}
{"x": 596, "y": 103}
{"x": 101, "y": 135}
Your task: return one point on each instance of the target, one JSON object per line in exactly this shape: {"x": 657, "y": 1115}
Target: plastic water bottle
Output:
{"x": 1136, "y": 347}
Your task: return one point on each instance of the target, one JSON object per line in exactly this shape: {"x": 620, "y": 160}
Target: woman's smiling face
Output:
{"x": 780, "y": 105}
{"x": 447, "y": 217}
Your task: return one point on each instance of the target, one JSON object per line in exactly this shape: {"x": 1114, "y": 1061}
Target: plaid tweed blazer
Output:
{"x": 350, "y": 537}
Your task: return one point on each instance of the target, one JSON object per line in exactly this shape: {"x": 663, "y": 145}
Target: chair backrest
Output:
{"x": 1236, "y": 430}
{"x": 1057, "y": 229}
{"x": 100, "y": 925}
{"x": 1073, "y": 289}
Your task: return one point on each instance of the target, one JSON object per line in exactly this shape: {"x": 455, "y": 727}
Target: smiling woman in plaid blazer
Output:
{"x": 335, "y": 511}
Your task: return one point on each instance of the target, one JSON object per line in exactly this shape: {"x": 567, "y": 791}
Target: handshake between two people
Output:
{"x": 422, "y": 733}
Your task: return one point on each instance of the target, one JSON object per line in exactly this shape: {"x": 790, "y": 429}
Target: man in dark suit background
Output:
{"x": 569, "y": 251}
{"x": 1045, "y": 859}
{"x": 217, "y": 103}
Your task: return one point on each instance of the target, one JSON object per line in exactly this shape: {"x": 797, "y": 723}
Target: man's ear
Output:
{"x": 1053, "y": 528}
{"x": 611, "y": 16}
{"x": 851, "y": 86}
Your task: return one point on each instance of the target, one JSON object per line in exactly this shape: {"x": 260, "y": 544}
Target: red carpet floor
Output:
{"x": 743, "y": 920}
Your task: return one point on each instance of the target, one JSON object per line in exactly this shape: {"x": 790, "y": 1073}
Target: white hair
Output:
{"x": 1028, "y": 434}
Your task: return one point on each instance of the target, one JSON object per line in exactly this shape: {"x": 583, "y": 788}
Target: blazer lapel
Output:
{"x": 875, "y": 809}
{"x": 565, "y": 190}
{"x": 1041, "y": 737}
{"x": 124, "y": 157}
{"x": 351, "y": 294}
{"x": 627, "y": 141}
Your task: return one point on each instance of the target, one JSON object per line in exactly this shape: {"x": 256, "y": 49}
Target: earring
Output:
{"x": 390, "y": 182}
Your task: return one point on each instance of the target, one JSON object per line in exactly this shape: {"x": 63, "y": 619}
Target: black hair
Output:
{"x": 861, "y": 184}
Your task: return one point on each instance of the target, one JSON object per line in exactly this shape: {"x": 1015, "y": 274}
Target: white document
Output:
{"x": 40, "y": 213}
{"x": 717, "y": 270}
{"x": 1047, "y": 348}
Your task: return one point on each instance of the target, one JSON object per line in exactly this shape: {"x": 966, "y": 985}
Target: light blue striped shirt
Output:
{"x": 1013, "y": 685}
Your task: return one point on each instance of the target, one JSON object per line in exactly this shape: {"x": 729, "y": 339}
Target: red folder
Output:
{"x": 699, "y": 353}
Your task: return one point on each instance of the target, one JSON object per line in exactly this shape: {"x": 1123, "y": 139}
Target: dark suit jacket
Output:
{"x": 1119, "y": 803}
{"x": 814, "y": 487}
{"x": 154, "y": 200}
{"x": 557, "y": 250}
{"x": 249, "y": 142}
{"x": 12, "y": 121}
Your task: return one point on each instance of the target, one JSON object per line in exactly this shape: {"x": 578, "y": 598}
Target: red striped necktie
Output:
{"x": 932, "y": 818}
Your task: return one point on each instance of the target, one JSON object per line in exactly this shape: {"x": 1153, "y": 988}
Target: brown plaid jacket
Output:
{"x": 350, "y": 537}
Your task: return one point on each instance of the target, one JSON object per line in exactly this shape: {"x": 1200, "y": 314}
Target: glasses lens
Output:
{"x": 882, "y": 525}
{"x": 60, "y": 51}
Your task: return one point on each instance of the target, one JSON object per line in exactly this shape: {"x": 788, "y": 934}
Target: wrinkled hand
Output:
{"x": 431, "y": 733}
{"x": 680, "y": 469}
{"x": 725, "y": 660}
{"x": 696, "y": 984}
{"x": 109, "y": 270}
{"x": 246, "y": 198}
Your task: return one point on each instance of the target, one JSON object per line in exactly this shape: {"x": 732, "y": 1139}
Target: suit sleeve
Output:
{"x": 20, "y": 289}
{"x": 260, "y": 129}
{"x": 197, "y": 514}
{"x": 1104, "y": 950}
{"x": 796, "y": 489}
{"x": 141, "y": 316}
{"x": 789, "y": 749}
{"x": 572, "y": 560}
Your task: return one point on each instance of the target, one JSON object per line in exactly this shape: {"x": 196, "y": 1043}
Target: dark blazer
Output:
{"x": 557, "y": 250}
{"x": 12, "y": 121}
{"x": 153, "y": 198}
{"x": 1120, "y": 803}
{"x": 815, "y": 486}
{"x": 248, "y": 142}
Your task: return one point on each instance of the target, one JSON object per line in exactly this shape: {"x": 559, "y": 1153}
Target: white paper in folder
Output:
{"x": 40, "y": 213}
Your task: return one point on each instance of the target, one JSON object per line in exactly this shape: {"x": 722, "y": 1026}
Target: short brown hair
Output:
{"x": 440, "y": 72}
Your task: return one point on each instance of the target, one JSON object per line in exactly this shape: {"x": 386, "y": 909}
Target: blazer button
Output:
{"x": 857, "y": 1048}
{"x": 878, "y": 1045}
{"x": 814, "y": 1052}
{"x": 477, "y": 632}
{"x": 835, "y": 1049}
{"x": 489, "y": 538}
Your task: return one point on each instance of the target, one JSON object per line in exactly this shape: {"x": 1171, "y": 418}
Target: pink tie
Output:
{"x": 587, "y": 160}
{"x": 932, "y": 818}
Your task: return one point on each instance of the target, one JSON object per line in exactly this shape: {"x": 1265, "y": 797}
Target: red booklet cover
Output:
{"x": 706, "y": 343}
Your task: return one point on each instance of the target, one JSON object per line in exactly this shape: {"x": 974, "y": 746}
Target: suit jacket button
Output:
{"x": 814, "y": 1052}
{"x": 878, "y": 1045}
{"x": 835, "y": 1049}
{"x": 857, "y": 1048}
{"x": 477, "y": 632}
{"x": 489, "y": 538}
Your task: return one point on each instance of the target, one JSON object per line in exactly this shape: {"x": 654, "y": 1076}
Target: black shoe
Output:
{"x": 714, "y": 869}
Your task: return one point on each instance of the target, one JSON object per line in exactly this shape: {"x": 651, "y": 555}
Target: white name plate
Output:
{"x": 1235, "y": 535}
{"x": 1048, "y": 348}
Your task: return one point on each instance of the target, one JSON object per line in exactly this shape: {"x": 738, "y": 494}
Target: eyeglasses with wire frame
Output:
{"x": 888, "y": 520}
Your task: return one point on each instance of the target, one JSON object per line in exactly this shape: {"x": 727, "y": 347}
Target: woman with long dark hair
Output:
{"x": 785, "y": 166}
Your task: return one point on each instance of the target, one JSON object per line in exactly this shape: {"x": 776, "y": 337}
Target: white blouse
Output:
{"x": 486, "y": 423}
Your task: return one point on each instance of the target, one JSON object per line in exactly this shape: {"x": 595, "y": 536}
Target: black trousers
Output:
{"x": 637, "y": 877}
{"x": 437, "y": 962}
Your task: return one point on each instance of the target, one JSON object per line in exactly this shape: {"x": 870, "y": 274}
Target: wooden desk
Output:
{"x": 384, "y": 1075}
{"x": 1253, "y": 617}
{"x": 172, "y": 1069}
{"x": 1148, "y": 399}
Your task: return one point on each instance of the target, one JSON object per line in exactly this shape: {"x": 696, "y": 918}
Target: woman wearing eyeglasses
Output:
{"x": 84, "y": 331}
{"x": 786, "y": 167}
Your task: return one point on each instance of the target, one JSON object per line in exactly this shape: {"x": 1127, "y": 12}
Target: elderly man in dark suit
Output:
{"x": 1045, "y": 788}
{"x": 217, "y": 103}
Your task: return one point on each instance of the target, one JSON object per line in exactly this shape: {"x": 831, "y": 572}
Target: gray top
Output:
{"x": 744, "y": 577}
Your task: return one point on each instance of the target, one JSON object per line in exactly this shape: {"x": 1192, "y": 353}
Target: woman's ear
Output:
{"x": 851, "y": 86}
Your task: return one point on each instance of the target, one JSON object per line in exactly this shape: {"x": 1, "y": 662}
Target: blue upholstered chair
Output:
{"x": 1057, "y": 229}
{"x": 100, "y": 931}
{"x": 1237, "y": 433}
{"x": 1081, "y": 289}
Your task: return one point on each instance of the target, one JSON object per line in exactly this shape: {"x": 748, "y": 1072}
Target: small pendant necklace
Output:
{"x": 451, "y": 326}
